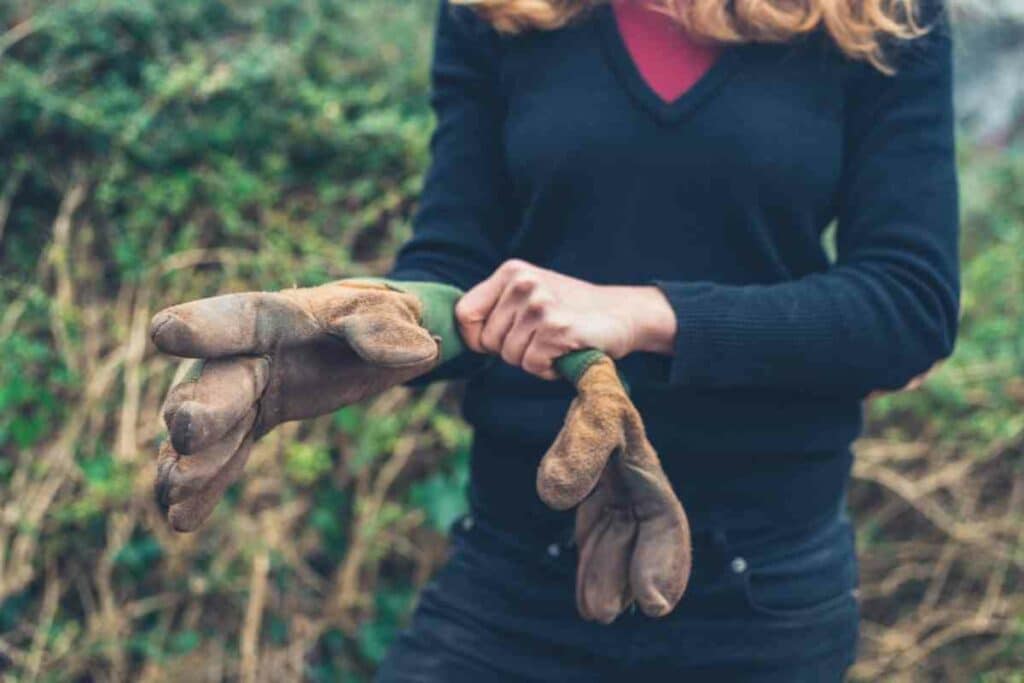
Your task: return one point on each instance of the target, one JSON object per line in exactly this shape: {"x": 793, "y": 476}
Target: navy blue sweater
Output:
{"x": 550, "y": 147}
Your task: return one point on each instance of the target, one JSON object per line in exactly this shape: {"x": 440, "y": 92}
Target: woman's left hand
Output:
{"x": 531, "y": 316}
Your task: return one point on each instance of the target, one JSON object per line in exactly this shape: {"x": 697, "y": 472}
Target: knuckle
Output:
{"x": 513, "y": 266}
{"x": 489, "y": 342}
{"x": 539, "y": 305}
{"x": 524, "y": 283}
{"x": 465, "y": 311}
{"x": 556, "y": 327}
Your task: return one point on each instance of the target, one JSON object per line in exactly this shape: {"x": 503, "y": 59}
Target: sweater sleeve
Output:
{"x": 887, "y": 309}
{"x": 463, "y": 220}
{"x": 462, "y": 223}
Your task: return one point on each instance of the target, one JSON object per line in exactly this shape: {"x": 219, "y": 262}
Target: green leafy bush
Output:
{"x": 152, "y": 152}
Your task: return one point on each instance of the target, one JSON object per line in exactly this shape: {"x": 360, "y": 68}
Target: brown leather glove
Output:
{"x": 632, "y": 534}
{"x": 270, "y": 357}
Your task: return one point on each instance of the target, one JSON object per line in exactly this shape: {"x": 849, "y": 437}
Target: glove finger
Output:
{"x": 661, "y": 562}
{"x": 602, "y": 586}
{"x": 213, "y": 398}
{"x": 182, "y": 476}
{"x": 384, "y": 339}
{"x": 572, "y": 466}
{"x": 590, "y": 512}
{"x": 602, "y": 575}
{"x": 660, "y": 568}
{"x": 608, "y": 492}
{"x": 227, "y": 325}
{"x": 190, "y": 513}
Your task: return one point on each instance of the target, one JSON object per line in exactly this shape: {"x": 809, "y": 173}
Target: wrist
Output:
{"x": 649, "y": 319}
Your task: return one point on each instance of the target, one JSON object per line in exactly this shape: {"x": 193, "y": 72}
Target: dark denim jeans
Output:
{"x": 768, "y": 605}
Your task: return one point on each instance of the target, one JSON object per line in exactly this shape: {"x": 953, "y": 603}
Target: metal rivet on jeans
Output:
{"x": 554, "y": 550}
{"x": 739, "y": 565}
{"x": 467, "y": 523}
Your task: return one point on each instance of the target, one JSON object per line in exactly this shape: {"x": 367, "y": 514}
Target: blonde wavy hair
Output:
{"x": 858, "y": 27}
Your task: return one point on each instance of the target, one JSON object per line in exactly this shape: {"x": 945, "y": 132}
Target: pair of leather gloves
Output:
{"x": 269, "y": 357}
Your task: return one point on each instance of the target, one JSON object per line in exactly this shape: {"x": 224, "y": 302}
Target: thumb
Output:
{"x": 475, "y": 306}
{"x": 387, "y": 341}
{"x": 572, "y": 466}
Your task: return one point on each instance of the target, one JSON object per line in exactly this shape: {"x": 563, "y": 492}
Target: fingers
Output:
{"x": 631, "y": 548}
{"x": 182, "y": 476}
{"x": 661, "y": 562}
{"x": 213, "y": 399}
{"x": 521, "y": 313}
{"x": 190, "y": 513}
{"x": 388, "y": 341}
{"x": 475, "y": 306}
{"x": 632, "y": 490}
{"x": 514, "y": 314}
{"x": 522, "y": 344}
{"x": 572, "y": 466}
{"x": 226, "y": 325}
{"x": 602, "y": 583}
{"x": 517, "y": 341}
{"x": 501, "y": 318}
{"x": 602, "y": 573}
{"x": 539, "y": 359}
{"x": 189, "y": 487}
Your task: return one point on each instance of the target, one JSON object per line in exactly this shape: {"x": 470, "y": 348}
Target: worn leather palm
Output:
{"x": 631, "y": 531}
{"x": 270, "y": 357}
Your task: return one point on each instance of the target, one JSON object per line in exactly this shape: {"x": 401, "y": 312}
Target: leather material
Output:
{"x": 271, "y": 357}
{"x": 631, "y": 530}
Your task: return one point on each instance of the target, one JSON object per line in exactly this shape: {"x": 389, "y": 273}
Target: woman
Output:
{"x": 654, "y": 179}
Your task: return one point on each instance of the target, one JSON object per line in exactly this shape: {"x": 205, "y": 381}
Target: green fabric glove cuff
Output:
{"x": 572, "y": 366}
{"x": 438, "y": 302}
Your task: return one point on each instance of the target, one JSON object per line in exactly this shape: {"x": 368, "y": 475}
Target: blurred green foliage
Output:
{"x": 153, "y": 152}
{"x": 190, "y": 148}
{"x": 940, "y": 501}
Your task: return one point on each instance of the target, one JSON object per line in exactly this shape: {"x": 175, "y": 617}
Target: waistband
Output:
{"x": 712, "y": 548}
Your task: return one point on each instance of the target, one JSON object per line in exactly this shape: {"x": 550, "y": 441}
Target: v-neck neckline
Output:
{"x": 628, "y": 73}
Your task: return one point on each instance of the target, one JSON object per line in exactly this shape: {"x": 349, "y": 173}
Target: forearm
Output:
{"x": 886, "y": 310}
{"x": 847, "y": 332}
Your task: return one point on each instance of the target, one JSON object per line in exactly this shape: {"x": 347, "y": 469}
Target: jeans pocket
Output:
{"x": 812, "y": 579}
